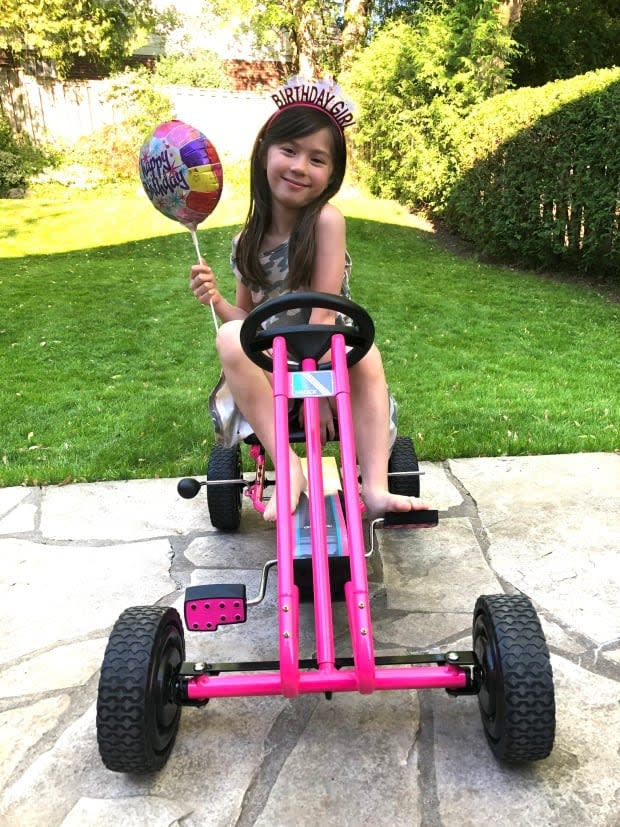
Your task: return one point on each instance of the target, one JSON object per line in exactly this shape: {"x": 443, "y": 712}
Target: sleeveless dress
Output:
{"x": 230, "y": 425}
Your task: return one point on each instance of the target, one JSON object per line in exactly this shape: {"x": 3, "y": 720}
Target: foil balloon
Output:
{"x": 181, "y": 173}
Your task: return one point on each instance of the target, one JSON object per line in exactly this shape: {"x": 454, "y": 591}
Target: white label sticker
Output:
{"x": 311, "y": 383}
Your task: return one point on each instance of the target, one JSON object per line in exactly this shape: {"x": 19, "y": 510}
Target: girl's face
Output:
{"x": 299, "y": 170}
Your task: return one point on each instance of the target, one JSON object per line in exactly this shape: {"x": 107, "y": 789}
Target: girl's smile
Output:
{"x": 299, "y": 170}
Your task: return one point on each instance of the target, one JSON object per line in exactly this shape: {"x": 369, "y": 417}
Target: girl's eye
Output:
{"x": 288, "y": 150}
{"x": 319, "y": 161}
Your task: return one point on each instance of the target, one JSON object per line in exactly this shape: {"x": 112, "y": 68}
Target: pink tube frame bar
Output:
{"x": 365, "y": 677}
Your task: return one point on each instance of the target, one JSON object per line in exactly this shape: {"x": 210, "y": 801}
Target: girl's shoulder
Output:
{"x": 330, "y": 216}
{"x": 330, "y": 222}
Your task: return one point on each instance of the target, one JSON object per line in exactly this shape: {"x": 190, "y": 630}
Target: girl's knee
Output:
{"x": 371, "y": 366}
{"x": 228, "y": 341}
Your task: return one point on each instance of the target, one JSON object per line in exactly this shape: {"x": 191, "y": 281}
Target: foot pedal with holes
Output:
{"x": 424, "y": 518}
{"x": 207, "y": 607}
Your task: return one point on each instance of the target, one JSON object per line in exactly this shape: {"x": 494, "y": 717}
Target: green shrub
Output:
{"x": 12, "y": 172}
{"x": 412, "y": 84}
{"x": 20, "y": 159}
{"x": 201, "y": 68}
{"x": 114, "y": 149}
{"x": 539, "y": 175}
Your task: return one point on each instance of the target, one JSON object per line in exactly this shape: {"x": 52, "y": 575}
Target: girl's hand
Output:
{"x": 203, "y": 284}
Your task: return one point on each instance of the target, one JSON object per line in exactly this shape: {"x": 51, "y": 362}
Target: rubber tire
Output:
{"x": 137, "y": 717}
{"x": 403, "y": 458}
{"x": 224, "y": 501}
{"x": 516, "y": 699}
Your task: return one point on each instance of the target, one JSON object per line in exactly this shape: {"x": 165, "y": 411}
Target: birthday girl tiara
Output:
{"x": 323, "y": 94}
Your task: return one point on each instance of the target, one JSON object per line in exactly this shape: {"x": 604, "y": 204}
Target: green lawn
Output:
{"x": 106, "y": 359}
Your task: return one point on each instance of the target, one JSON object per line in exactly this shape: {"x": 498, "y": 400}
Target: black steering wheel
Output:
{"x": 306, "y": 341}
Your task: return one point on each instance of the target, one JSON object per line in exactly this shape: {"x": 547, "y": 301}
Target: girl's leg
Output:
{"x": 252, "y": 391}
{"x": 371, "y": 420}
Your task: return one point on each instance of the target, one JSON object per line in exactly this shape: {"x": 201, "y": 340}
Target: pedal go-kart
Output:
{"x": 321, "y": 555}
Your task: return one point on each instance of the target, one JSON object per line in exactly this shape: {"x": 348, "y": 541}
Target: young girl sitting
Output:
{"x": 294, "y": 239}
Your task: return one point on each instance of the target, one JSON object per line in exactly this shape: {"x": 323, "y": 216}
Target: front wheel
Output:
{"x": 137, "y": 714}
{"x": 516, "y": 698}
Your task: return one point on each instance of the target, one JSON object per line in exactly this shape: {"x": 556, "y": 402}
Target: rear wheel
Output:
{"x": 137, "y": 715}
{"x": 224, "y": 501}
{"x": 516, "y": 698}
{"x": 403, "y": 459}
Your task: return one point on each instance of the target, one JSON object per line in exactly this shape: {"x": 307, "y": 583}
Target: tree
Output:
{"x": 414, "y": 82}
{"x": 317, "y": 36}
{"x": 563, "y": 38}
{"x": 59, "y": 30}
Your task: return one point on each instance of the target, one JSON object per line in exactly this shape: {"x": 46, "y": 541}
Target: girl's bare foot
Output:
{"x": 298, "y": 486}
{"x": 379, "y": 501}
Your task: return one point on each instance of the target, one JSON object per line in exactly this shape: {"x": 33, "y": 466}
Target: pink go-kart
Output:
{"x": 321, "y": 555}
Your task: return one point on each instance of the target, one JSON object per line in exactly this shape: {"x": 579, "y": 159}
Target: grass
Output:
{"x": 106, "y": 359}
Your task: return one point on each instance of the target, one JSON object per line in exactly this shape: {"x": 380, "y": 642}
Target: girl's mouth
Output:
{"x": 293, "y": 183}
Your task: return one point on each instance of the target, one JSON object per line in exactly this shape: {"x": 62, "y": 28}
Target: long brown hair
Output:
{"x": 289, "y": 124}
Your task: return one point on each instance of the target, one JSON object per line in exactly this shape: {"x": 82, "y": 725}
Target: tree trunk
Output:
{"x": 308, "y": 36}
{"x": 356, "y": 17}
{"x": 510, "y": 12}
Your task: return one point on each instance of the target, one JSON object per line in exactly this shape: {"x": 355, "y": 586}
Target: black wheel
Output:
{"x": 224, "y": 501}
{"x": 137, "y": 716}
{"x": 516, "y": 699}
{"x": 306, "y": 340}
{"x": 403, "y": 458}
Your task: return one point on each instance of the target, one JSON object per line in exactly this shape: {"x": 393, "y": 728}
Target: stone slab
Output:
{"x": 75, "y": 556}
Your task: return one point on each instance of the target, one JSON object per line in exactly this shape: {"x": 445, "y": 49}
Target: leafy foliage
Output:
{"x": 412, "y": 85}
{"x": 114, "y": 149}
{"x": 539, "y": 175}
{"x": 564, "y": 38}
{"x": 200, "y": 68}
{"x": 19, "y": 158}
{"x": 59, "y": 30}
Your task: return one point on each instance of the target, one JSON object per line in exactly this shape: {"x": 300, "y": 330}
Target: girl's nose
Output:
{"x": 299, "y": 163}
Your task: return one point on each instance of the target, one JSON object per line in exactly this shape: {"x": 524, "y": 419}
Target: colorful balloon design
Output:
{"x": 181, "y": 173}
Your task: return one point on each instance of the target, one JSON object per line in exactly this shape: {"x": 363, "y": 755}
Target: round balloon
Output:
{"x": 181, "y": 173}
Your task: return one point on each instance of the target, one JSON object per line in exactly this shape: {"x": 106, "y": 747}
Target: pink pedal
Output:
{"x": 207, "y": 607}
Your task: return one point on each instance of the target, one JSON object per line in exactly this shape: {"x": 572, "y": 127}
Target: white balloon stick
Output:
{"x": 195, "y": 240}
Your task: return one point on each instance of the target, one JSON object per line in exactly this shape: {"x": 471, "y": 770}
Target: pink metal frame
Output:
{"x": 365, "y": 676}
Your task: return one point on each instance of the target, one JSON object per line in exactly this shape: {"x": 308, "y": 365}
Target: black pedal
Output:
{"x": 424, "y": 518}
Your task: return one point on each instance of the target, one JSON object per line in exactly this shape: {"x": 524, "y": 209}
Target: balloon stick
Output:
{"x": 197, "y": 248}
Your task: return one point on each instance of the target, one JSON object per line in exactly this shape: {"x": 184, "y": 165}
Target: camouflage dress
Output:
{"x": 229, "y": 423}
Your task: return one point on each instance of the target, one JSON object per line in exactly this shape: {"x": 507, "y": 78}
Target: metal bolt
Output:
{"x": 286, "y": 634}
{"x": 452, "y": 656}
{"x": 361, "y": 605}
{"x": 285, "y": 608}
{"x": 200, "y": 667}
{"x": 364, "y": 631}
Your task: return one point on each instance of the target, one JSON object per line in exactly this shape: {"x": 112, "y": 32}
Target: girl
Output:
{"x": 294, "y": 239}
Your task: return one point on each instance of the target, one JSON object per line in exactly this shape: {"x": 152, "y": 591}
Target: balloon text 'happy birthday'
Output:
{"x": 160, "y": 176}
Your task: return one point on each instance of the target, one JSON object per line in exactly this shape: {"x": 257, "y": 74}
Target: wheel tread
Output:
{"x": 528, "y": 694}
{"x": 224, "y": 501}
{"x": 122, "y": 696}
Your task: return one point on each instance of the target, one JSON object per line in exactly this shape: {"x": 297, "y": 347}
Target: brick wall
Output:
{"x": 256, "y": 75}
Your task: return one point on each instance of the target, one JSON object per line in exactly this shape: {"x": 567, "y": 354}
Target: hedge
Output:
{"x": 539, "y": 175}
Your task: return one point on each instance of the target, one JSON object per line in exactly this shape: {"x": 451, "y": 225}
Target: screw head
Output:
{"x": 452, "y": 657}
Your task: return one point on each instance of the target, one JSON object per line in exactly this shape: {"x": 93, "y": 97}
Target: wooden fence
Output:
{"x": 51, "y": 110}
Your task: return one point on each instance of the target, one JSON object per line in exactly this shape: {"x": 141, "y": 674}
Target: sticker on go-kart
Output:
{"x": 311, "y": 383}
